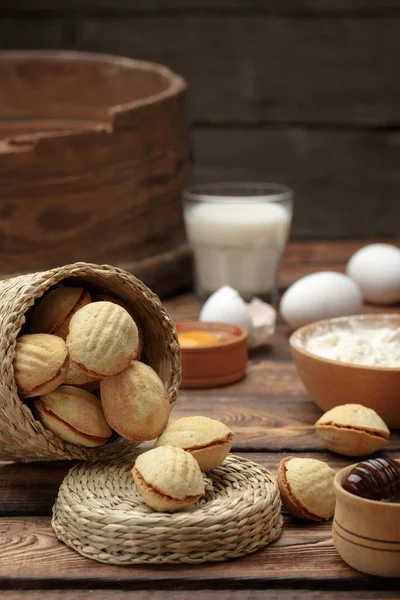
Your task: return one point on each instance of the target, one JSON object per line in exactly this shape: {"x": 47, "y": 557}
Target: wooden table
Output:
{"x": 272, "y": 417}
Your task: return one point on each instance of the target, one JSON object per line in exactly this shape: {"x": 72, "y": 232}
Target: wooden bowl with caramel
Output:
{"x": 366, "y": 532}
{"x": 212, "y": 354}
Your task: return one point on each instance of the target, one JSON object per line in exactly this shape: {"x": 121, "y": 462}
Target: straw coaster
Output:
{"x": 100, "y": 514}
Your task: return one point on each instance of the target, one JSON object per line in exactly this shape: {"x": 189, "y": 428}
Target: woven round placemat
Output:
{"x": 21, "y": 436}
{"x": 100, "y": 514}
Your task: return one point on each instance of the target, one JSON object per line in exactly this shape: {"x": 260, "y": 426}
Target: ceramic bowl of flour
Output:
{"x": 352, "y": 360}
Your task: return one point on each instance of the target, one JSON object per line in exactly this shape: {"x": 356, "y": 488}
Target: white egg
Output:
{"x": 320, "y": 296}
{"x": 376, "y": 269}
{"x": 226, "y": 306}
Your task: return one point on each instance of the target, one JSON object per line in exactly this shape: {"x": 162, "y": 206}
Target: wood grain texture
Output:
{"x": 302, "y": 258}
{"x": 155, "y": 6}
{"x": 346, "y": 183}
{"x": 264, "y": 421}
{"x": 95, "y": 195}
{"x": 33, "y": 557}
{"x": 166, "y": 274}
{"x": 203, "y": 594}
{"x": 325, "y": 252}
{"x": 30, "y": 489}
{"x": 268, "y": 411}
{"x": 245, "y": 68}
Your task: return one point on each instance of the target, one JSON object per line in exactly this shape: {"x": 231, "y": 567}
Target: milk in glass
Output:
{"x": 237, "y": 243}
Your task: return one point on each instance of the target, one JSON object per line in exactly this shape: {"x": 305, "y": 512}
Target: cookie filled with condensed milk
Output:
{"x": 135, "y": 402}
{"x": 56, "y": 309}
{"x": 74, "y": 415}
{"x": 207, "y": 440}
{"x": 40, "y": 364}
{"x": 103, "y": 339}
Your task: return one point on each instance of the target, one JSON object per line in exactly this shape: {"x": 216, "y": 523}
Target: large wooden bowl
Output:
{"x": 331, "y": 383}
{"x": 94, "y": 156}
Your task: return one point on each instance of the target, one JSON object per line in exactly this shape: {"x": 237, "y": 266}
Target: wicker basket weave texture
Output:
{"x": 100, "y": 514}
{"x": 21, "y": 436}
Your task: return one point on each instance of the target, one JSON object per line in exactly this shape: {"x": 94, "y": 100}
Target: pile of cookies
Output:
{"x": 78, "y": 367}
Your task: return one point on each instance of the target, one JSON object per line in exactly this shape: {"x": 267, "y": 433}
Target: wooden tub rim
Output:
{"x": 176, "y": 85}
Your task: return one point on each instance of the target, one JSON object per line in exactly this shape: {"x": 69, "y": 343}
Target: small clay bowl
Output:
{"x": 214, "y": 365}
{"x": 331, "y": 383}
{"x": 366, "y": 533}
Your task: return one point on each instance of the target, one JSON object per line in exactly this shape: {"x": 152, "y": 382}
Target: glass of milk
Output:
{"x": 238, "y": 232}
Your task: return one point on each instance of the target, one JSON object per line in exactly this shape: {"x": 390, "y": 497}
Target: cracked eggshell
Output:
{"x": 226, "y": 306}
{"x": 263, "y": 318}
{"x": 320, "y": 296}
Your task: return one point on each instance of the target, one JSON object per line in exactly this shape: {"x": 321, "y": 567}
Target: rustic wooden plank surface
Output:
{"x": 302, "y": 258}
{"x": 338, "y": 176}
{"x": 329, "y": 112}
{"x": 30, "y": 489}
{"x": 264, "y": 422}
{"x": 275, "y": 6}
{"x": 247, "y": 68}
{"x": 270, "y": 413}
{"x": 205, "y": 595}
{"x": 32, "y": 556}
{"x": 323, "y": 116}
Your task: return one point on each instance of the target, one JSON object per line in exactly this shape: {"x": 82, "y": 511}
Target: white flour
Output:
{"x": 360, "y": 346}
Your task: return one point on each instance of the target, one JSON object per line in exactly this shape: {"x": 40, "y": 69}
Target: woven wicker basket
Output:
{"x": 100, "y": 514}
{"x": 21, "y": 436}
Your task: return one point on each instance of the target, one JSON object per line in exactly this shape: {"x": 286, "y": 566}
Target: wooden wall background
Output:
{"x": 304, "y": 92}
